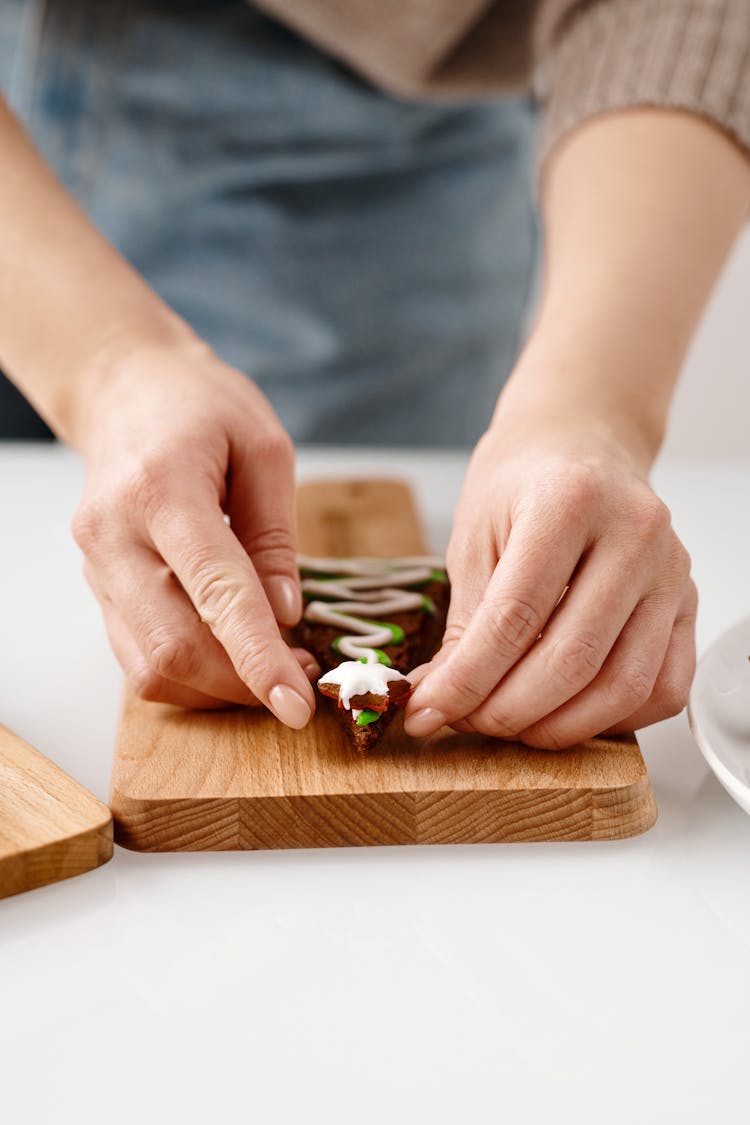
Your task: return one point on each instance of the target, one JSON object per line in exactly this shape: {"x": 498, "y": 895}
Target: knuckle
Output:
{"x": 690, "y": 613}
{"x": 173, "y": 657}
{"x": 255, "y": 668}
{"x": 653, "y": 517}
{"x": 512, "y": 623}
{"x": 216, "y": 594}
{"x": 454, "y": 631}
{"x": 88, "y": 525}
{"x": 632, "y": 687}
{"x": 139, "y": 489}
{"x": 581, "y": 486}
{"x": 461, "y": 696}
{"x": 548, "y": 736}
{"x": 274, "y": 448}
{"x": 683, "y": 564}
{"x": 147, "y": 684}
{"x": 673, "y": 695}
{"x": 578, "y": 658}
{"x": 143, "y": 489}
{"x": 671, "y": 699}
{"x": 495, "y": 720}
{"x": 270, "y": 542}
{"x": 673, "y": 688}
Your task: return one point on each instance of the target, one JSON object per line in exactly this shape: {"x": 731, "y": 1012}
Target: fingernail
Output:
{"x": 285, "y": 599}
{"x": 424, "y": 722}
{"x": 311, "y": 670}
{"x": 289, "y": 706}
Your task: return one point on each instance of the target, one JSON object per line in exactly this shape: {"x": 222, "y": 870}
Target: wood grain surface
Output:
{"x": 50, "y": 826}
{"x": 238, "y": 779}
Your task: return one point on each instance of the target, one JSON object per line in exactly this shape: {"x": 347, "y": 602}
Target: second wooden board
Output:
{"x": 51, "y": 828}
{"x": 238, "y": 779}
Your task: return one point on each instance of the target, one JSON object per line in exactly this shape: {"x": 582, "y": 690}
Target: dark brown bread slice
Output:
{"x": 365, "y": 737}
{"x": 423, "y": 632}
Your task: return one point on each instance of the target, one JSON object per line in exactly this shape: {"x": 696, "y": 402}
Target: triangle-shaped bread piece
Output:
{"x": 415, "y": 633}
{"x": 366, "y": 709}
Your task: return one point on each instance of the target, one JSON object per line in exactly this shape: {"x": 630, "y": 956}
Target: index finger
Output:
{"x": 219, "y": 578}
{"x": 522, "y": 593}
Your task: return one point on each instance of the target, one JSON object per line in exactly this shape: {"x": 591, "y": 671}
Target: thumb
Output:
{"x": 260, "y": 506}
{"x": 469, "y": 575}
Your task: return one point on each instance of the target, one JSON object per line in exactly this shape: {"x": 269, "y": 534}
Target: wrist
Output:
{"x": 110, "y": 369}
{"x": 565, "y": 386}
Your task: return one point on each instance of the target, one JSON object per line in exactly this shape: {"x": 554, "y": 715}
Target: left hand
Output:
{"x": 553, "y": 503}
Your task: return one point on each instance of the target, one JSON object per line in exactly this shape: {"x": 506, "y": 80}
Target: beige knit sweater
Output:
{"x": 580, "y": 57}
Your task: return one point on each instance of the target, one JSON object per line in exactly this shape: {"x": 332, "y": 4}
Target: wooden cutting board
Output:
{"x": 50, "y": 826}
{"x": 238, "y": 779}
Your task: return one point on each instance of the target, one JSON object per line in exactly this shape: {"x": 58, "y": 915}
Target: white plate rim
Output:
{"x": 736, "y": 788}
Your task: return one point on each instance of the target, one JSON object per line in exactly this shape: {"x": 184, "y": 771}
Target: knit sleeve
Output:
{"x": 594, "y": 56}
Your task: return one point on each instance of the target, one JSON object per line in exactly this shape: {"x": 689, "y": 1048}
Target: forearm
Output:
{"x": 640, "y": 210}
{"x": 67, "y": 298}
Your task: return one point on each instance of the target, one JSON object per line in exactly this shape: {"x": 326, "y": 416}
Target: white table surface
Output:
{"x": 458, "y": 985}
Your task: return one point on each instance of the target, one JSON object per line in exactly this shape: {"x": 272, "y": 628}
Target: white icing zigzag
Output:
{"x": 366, "y": 585}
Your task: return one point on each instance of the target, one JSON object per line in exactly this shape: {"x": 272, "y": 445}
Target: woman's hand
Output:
{"x": 640, "y": 208}
{"x": 174, "y": 439}
{"x": 555, "y": 504}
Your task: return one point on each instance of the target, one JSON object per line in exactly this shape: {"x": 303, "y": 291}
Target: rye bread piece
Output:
{"x": 365, "y": 737}
{"x": 423, "y": 631}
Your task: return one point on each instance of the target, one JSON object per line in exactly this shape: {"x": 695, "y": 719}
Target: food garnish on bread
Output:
{"x": 384, "y": 617}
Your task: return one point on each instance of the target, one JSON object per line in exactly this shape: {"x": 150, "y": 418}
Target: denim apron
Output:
{"x": 366, "y": 259}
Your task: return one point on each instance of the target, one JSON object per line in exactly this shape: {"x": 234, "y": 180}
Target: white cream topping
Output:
{"x": 356, "y": 678}
{"x": 366, "y": 565}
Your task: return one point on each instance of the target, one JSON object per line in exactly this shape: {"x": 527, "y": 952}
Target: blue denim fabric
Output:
{"x": 366, "y": 259}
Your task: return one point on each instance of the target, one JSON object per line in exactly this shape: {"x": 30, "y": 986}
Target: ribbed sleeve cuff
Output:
{"x": 692, "y": 55}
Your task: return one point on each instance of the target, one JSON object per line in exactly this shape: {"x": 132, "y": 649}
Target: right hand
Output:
{"x": 174, "y": 439}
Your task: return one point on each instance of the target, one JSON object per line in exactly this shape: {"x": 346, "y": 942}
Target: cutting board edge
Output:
{"x": 57, "y": 860}
{"x": 608, "y": 814}
{"x": 642, "y": 794}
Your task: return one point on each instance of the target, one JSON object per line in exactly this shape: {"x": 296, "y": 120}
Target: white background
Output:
{"x": 711, "y": 412}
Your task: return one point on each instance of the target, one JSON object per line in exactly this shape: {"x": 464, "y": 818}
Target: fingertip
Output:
{"x": 289, "y": 706}
{"x": 425, "y": 721}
